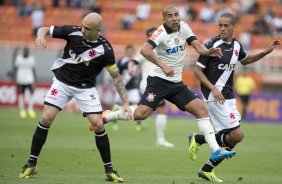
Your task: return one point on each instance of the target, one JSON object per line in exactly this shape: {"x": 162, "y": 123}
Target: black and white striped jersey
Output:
{"x": 82, "y": 60}
{"x": 220, "y": 71}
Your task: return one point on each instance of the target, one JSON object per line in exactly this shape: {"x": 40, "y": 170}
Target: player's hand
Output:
{"x": 218, "y": 95}
{"x": 126, "y": 109}
{"x": 272, "y": 46}
{"x": 41, "y": 42}
{"x": 215, "y": 52}
{"x": 168, "y": 71}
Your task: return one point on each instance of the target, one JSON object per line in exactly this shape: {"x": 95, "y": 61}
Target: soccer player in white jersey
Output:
{"x": 24, "y": 66}
{"x": 166, "y": 48}
{"x": 85, "y": 54}
{"x": 216, "y": 77}
{"x": 161, "y": 116}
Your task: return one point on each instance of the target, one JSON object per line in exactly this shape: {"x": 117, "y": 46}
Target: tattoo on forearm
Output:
{"x": 119, "y": 85}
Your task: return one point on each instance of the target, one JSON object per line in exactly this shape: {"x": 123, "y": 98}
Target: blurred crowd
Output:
{"x": 268, "y": 21}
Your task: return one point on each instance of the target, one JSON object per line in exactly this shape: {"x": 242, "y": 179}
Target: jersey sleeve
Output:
{"x": 157, "y": 37}
{"x": 63, "y": 31}
{"x": 190, "y": 36}
{"x": 109, "y": 55}
{"x": 203, "y": 60}
{"x": 242, "y": 54}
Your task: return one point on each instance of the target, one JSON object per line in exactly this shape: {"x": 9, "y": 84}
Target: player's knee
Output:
{"x": 98, "y": 126}
{"x": 140, "y": 115}
{"x": 201, "y": 112}
{"x": 237, "y": 137}
{"x": 47, "y": 120}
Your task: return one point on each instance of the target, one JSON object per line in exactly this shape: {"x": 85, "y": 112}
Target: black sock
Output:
{"x": 208, "y": 167}
{"x": 220, "y": 139}
{"x": 200, "y": 139}
{"x": 38, "y": 141}
{"x": 103, "y": 145}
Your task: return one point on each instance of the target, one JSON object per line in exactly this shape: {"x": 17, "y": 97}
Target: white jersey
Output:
{"x": 25, "y": 68}
{"x": 170, "y": 47}
{"x": 146, "y": 67}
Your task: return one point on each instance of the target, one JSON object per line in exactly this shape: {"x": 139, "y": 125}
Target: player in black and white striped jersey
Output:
{"x": 216, "y": 77}
{"x": 86, "y": 53}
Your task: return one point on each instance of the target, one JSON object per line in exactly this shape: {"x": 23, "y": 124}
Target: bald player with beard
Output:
{"x": 85, "y": 55}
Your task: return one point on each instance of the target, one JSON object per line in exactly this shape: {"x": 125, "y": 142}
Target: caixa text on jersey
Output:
{"x": 226, "y": 66}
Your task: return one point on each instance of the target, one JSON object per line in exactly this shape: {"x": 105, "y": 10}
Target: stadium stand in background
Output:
{"x": 17, "y": 30}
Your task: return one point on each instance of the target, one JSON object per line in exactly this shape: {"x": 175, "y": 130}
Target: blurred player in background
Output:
{"x": 166, "y": 48}
{"x": 131, "y": 80}
{"x": 244, "y": 86}
{"x": 24, "y": 69}
{"x": 161, "y": 116}
{"x": 216, "y": 77}
{"x": 85, "y": 55}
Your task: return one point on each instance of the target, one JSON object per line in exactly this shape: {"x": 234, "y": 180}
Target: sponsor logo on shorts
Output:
{"x": 150, "y": 97}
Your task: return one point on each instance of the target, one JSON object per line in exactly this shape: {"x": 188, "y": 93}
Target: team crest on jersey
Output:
{"x": 92, "y": 53}
{"x": 150, "y": 97}
{"x": 236, "y": 52}
{"x": 176, "y": 41}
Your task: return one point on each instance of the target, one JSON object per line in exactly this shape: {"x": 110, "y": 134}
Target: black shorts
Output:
{"x": 159, "y": 89}
{"x": 22, "y": 88}
{"x": 245, "y": 99}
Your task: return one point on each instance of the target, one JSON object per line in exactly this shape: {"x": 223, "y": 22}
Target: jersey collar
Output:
{"x": 168, "y": 30}
{"x": 225, "y": 41}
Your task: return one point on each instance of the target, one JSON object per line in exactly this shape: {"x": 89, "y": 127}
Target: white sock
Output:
{"x": 120, "y": 115}
{"x": 161, "y": 120}
{"x": 21, "y": 102}
{"x": 206, "y": 128}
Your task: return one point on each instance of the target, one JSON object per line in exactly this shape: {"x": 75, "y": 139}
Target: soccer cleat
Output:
{"x": 27, "y": 171}
{"x": 23, "y": 114}
{"x": 164, "y": 143}
{"x": 222, "y": 154}
{"x": 210, "y": 176}
{"x": 193, "y": 147}
{"x": 31, "y": 114}
{"x": 91, "y": 126}
{"x": 113, "y": 176}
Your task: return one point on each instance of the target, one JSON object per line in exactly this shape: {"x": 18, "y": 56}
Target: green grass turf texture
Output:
{"x": 70, "y": 155}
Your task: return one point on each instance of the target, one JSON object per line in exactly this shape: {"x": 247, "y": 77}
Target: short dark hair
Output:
{"x": 230, "y": 16}
{"x": 150, "y": 30}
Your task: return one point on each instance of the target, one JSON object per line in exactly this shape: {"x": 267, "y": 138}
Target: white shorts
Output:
{"x": 133, "y": 96}
{"x": 87, "y": 99}
{"x": 224, "y": 116}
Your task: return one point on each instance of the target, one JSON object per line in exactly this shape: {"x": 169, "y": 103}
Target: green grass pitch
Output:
{"x": 70, "y": 155}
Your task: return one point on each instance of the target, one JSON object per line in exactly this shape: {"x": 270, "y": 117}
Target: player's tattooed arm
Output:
{"x": 118, "y": 83}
